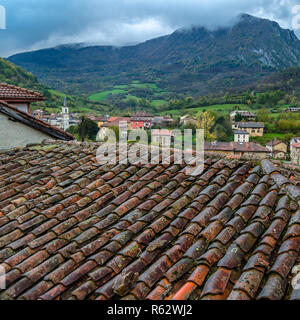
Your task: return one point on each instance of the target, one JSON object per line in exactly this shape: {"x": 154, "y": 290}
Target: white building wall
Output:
{"x": 241, "y": 138}
{"x": 15, "y": 134}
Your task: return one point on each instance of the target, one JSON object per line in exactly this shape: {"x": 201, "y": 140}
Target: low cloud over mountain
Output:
{"x": 39, "y": 24}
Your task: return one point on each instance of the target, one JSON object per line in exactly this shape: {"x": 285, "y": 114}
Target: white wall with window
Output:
{"x": 241, "y": 136}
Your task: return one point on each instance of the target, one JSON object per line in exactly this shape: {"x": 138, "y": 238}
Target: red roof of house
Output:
{"x": 296, "y": 145}
{"x": 162, "y": 132}
{"x": 141, "y": 116}
{"x": 274, "y": 143}
{"x": 235, "y": 146}
{"x": 118, "y": 119}
{"x": 9, "y": 92}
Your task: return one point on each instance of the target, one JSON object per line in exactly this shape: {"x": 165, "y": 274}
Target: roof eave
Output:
{"x": 33, "y": 122}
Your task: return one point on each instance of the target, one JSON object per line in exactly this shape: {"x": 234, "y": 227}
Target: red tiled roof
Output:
{"x": 12, "y": 93}
{"x": 71, "y": 228}
{"x": 141, "y": 116}
{"x": 296, "y": 145}
{"x": 118, "y": 119}
{"x": 274, "y": 143}
{"x": 235, "y": 146}
{"x": 33, "y": 122}
{"x": 162, "y": 132}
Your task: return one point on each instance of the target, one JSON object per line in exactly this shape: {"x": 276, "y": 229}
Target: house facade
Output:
{"x": 295, "y": 153}
{"x": 247, "y": 115}
{"x": 255, "y": 129}
{"x": 122, "y": 123}
{"x": 162, "y": 121}
{"x": 278, "y": 149}
{"x": 292, "y": 109}
{"x": 162, "y": 137}
{"x": 188, "y": 120}
{"x": 241, "y": 136}
{"x": 100, "y": 120}
{"x": 141, "y": 120}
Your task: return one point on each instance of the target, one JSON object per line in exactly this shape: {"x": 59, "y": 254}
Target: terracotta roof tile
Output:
{"x": 9, "y": 92}
{"x": 73, "y": 229}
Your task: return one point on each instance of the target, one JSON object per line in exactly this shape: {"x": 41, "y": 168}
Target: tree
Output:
{"x": 238, "y": 117}
{"x": 220, "y": 133}
{"x": 206, "y": 120}
{"x": 73, "y": 130}
{"x": 263, "y": 115}
{"x": 87, "y": 129}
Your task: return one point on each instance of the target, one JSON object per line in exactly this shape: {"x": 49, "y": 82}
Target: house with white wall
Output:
{"x": 241, "y": 136}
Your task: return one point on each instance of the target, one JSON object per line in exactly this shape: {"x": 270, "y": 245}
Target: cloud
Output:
{"x": 110, "y": 33}
{"x": 35, "y": 24}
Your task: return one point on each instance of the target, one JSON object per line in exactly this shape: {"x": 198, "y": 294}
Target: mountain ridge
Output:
{"x": 189, "y": 61}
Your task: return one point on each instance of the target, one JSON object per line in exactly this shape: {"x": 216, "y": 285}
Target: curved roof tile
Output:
{"x": 71, "y": 228}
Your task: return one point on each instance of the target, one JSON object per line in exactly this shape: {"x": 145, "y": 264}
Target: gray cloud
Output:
{"x": 35, "y": 24}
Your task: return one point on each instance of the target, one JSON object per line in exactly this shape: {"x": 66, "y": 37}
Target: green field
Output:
{"x": 130, "y": 96}
{"x": 103, "y": 95}
{"x": 157, "y": 103}
{"x": 268, "y": 137}
{"x": 151, "y": 86}
{"x": 125, "y": 89}
{"x": 58, "y": 93}
{"x": 222, "y": 108}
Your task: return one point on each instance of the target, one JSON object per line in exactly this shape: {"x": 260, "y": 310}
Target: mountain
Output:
{"x": 287, "y": 80}
{"x": 194, "y": 60}
{"x": 15, "y": 75}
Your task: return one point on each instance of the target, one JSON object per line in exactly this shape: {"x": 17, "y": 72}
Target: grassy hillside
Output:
{"x": 132, "y": 93}
{"x": 11, "y": 74}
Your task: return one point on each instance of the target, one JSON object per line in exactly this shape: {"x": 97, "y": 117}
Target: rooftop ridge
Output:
{"x": 9, "y": 91}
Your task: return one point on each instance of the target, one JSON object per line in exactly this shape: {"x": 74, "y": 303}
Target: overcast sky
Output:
{"x": 35, "y": 24}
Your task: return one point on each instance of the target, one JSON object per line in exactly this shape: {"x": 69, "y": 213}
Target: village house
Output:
{"x": 250, "y": 150}
{"x": 278, "y": 149}
{"x": 295, "y": 153}
{"x": 63, "y": 120}
{"x": 19, "y": 98}
{"x": 188, "y": 120}
{"x": 295, "y": 150}
{"x": 255, "y": 129}
{"x": 162, "y": 137}
{"x": 141, "y": 120}
{"x": 162, "y": 121}
{"x": 292, "y": 109}
{"x": 123, "y": 123}
{"x": 245, "y": 114}
{"x": 241, "y": 136}
{"x": 100, "y": 120}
